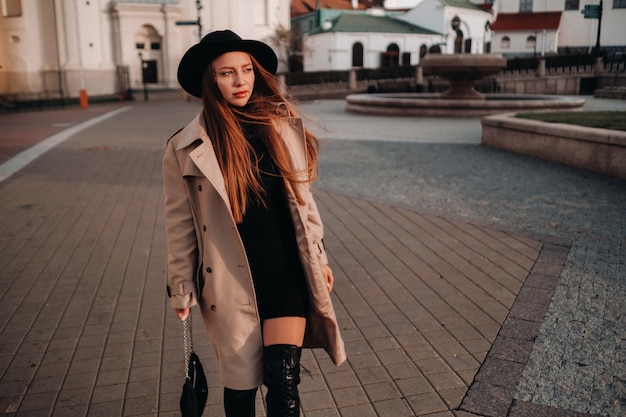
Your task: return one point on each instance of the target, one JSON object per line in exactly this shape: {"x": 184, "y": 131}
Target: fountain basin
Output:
{"x": 462, "y": 70}
{"x": 433, "y": 105}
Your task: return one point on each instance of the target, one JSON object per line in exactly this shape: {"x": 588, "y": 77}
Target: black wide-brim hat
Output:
{"x": 193, "y": 64}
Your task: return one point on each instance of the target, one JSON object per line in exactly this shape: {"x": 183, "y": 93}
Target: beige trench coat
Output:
{"x": 203, "y": 241}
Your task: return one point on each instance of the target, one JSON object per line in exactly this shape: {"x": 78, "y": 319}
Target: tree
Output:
{"x": 290, "y": 47}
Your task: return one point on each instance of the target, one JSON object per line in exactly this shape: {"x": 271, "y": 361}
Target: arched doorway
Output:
{"x": 391, "y": 58}
{"x": 148, "y": 47}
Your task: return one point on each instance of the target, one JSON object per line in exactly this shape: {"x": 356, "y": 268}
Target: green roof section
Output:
{"x": 463, "y": 4}
{"x": 352, "y": 22}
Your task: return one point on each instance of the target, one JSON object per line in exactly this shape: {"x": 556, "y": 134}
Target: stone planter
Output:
{"x": 598, "y": 150}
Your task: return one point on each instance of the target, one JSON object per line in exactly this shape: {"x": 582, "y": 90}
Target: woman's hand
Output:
{"x": 328, "y": 275}
{"x": 182, "y": 313}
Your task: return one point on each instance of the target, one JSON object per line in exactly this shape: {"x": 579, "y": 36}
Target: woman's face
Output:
{"x": 234, "y": 75}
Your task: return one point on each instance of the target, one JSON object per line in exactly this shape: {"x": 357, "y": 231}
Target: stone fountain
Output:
{"x": 461, "y": 99}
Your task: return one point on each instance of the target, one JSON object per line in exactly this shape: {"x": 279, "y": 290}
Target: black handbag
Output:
{"x": 195, "y": 389}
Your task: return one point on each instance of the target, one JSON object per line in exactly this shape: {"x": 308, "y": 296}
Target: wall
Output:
{"x": 545, "y": 43}
{"x": 430, "y": 15}
{"x": 333, "y": 50}
{"x": 19, "y": 64}
{"x": 49, "y": 49}
{"x": 575, "y": 31}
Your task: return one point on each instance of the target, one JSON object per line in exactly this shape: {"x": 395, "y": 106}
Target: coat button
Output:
{"x": 213, "y": 308}
{"x": 199, "y": 188}
{"x": 208, "y": 269}
{"x": 204, "y": 227}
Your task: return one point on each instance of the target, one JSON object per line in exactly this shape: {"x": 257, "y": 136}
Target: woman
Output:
{"x": 243, "y": 233}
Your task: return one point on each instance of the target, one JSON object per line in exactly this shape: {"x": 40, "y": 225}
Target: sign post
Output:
{"x": 594, "y": 11}
{"x": 197, "y": 22}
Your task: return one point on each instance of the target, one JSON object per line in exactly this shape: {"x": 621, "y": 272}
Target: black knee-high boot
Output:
{"x": 281, "y": 376}
{"x": 239, "y": 403}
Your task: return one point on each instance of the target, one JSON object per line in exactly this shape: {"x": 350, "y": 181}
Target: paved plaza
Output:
{"x": 469, "y": 281}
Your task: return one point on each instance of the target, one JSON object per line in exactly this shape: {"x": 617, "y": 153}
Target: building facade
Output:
{"x": 540, "y": 27}
{"x": 463, "y": 24}
{"x": 106, "y": 47}
{"x": 342, "y": 39}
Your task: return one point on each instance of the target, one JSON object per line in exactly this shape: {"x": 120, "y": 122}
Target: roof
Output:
{"x": 485, "y": 6}
{"x": 361, "y": 22}
{"x": 527, "y": 21}
{"x": 463, "y": 4}
{"x": 300, "y": 7}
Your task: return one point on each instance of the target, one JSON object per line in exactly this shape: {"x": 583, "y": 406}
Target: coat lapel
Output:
{"x": 205, "y": 160}
{"x": 203, "y": 155}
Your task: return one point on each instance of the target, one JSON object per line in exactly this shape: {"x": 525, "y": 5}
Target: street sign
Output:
{"x": 592, "y": 11}
{"x": 186, "y": 22}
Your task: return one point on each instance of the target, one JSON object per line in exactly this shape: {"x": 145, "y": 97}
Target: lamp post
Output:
{"x": 144, "y": 65}
{"x": 597, "y": 49}
{"x": 198, "y": 9}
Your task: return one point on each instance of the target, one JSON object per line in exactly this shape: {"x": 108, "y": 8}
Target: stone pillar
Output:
{"x": 419, "y": 79}
{"x": 541, "y": 68}
{"x": 419, "y": 75}
{"x": 599, "y": 65}
{"x": 352, "y": 80}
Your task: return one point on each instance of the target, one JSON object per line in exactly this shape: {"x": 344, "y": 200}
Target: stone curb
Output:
{"x": 599, "y": 150}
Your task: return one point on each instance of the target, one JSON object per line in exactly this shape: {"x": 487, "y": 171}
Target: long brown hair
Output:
{"x": 266, "y": 105}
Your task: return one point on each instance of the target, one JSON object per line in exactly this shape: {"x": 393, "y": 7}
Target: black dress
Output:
{"x": 269, "y": 239}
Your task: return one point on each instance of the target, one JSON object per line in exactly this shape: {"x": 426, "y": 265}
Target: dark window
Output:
{"x": 357, "y": 54}
{"x": 525, "y": 6}
{"x": 423, "y": 50}
{"x": 467, "y": 48}
{"x": 619, "y": 4}
{"x": 572, "y": 4}
{"x": 458, "y": 42}
{"x": 11, "y": 8}
{"x": 155, "y": 46}
{"x": 140, "y": 45}
{"x": 406, "y": 59}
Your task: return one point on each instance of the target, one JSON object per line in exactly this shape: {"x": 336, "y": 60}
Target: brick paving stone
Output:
{"x": 428, "y": 300}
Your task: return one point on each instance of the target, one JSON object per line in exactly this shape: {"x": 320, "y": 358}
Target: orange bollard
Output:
{"x": 82, "y": 99}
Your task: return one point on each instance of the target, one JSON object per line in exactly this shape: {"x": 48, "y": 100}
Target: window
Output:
{"x": 140, "y": 45}
{"x": 11, "y": 8}
{"x": 525, "y": 6}
{"x": 505, "y": 43}
{"x": 155, "y": 46}
{"x": 619, "y": 4}
{"x": 467, "y": 46}
{"x": 531, "y": 42}
{"x": 357, "y": 54}
{"x": 423, "y": 50}
{"x": 406, "y": 59}
{"x": 572, "y": 4}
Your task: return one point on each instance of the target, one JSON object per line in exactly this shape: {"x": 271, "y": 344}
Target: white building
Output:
{"x": 341, "y": 40}
{"x": 527, "y": 27}
{"x": 462, "y": 23}
{"x": 63, "y": 46}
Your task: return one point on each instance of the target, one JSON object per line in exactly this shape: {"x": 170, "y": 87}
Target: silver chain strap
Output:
{"x": 188, "y": 342}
